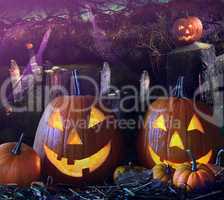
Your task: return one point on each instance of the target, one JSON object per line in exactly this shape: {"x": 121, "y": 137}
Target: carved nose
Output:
{"x": 74, "y": 138}
{"x": 176, "y": 141}
{"x": 187, "y": 31}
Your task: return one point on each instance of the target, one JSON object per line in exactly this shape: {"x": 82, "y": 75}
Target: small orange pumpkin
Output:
{"x": 162, "y": 172}
{"x": 19, "y": 164}
{"x": 187, "y": 30}
{"x": 193, "y": 177}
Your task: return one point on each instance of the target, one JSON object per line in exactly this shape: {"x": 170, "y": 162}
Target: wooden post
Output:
{"x": 193, "y": 62}
{"x": 105, "y": 79}
{"x": 111, "y": 97}
{"x": 144, "y": 89}
{"x": 57, "y": 81}
{"x": 216, "y": 75}
{"x": 15, "y": 77}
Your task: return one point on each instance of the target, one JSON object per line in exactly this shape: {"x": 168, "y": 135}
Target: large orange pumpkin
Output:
{"x": 187, "y": 30}
{"x": 171, "y": 126}
{"x": 19, "y": 164}
{"x": 77, "y": 140}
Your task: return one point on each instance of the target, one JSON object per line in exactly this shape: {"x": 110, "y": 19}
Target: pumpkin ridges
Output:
{"x": 193, "y": 181}
{"x": 183, "y": 33}
{"x": 5, "y": 169}
{"x": 206, "y": 171}
{"x": 202, "y": 144}
{"x": 204, "y": 177}
{"x": 19, "y": 171}
{"x": 181, "y": 179}
{"x": 205, "y": 168}
{"x": 199, "y": 27}
{"x": 193, "y": 176}
{"x": 14, "y": 167}
{"x": 92, "y": 142}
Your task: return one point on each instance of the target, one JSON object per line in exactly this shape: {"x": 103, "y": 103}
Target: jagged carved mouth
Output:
{"x": 156, "y": 158}
{"x": 186, "y": 38}
{"x": 89, "y": 164}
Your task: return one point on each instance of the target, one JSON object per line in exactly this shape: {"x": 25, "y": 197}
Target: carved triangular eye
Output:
{"x": 55, "y": 121}
{"x": 96, "y": 117}
{"x": 195, "y": 124}
{"x": 74, "y": 138}
{"x": 181, "y": 27}
{"x": 160, "y": 123}
{"x": 176, "y": 141}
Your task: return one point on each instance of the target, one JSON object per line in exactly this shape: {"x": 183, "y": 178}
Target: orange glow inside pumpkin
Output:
{"x": 160, "y": 123}
{"x": 96, "y": 117}
{"x": 176, "y": 140}
{"x": 90, "y": 163}
{"x": 74, "y": 138}
{"x": 195, "y": 124}
{"x": 55, "y": 121}
{"x": 187, "y": 30}
{"x": 156, "y": 159}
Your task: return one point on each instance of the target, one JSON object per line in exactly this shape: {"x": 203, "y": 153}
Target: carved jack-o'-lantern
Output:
{"x": 172, "y": 126}
{"x": 187, "y": 30}
{"x": 77, "y": 140}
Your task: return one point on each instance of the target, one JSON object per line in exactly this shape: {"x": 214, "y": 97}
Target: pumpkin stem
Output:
{"x": 194, "y": 163}
{"x": 76, "y": 82}
{"x": 178, "y": 91}
{"x": 218, "y": 157}
{"x": 17, "y": 148}
{"x": 168, "y": 170}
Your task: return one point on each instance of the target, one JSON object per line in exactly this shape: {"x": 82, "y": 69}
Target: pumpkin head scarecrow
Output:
{"x": 171, "y": 126}
{"x": 77, "y": 140}
{"x": 187, "y": 30}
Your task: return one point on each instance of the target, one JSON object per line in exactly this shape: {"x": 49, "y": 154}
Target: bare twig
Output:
{"x": 208, "y": 195}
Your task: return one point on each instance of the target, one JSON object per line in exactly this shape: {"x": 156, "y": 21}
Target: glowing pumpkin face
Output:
{"x": 77, "y": 141}
{"x": 171, "y": 127}
{"x": 187, "y": 30}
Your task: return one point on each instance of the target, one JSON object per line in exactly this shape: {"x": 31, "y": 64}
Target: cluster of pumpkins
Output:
{"x": 191, "y": 176}
{"x": 78, "y": 141}
{"x": 179, "y": 145}
{"x": 72, "y": 153}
